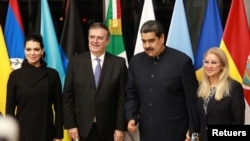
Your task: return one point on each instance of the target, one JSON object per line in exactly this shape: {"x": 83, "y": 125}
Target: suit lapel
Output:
{"x": 106, "y": 64}
{"x": 89, "y": 70}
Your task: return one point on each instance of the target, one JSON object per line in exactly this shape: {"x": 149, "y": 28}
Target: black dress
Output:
{"x": 36, "y": 96}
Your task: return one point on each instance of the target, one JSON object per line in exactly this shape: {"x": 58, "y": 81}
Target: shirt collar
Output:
{"x": 100, "y": 57}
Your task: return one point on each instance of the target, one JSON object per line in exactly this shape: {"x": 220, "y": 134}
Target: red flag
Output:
{"x": 236, "y": 41}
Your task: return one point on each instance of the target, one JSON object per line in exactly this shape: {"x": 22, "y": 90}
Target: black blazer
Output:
{"x": 229, "y": 110}
{"x": 82, "y": 100}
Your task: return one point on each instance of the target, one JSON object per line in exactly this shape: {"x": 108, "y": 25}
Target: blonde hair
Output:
{"x": 222, "y": 87}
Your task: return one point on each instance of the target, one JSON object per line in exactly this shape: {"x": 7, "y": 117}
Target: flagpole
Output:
{"x": 104, "y": 9}
{"x": 30, "y": 15}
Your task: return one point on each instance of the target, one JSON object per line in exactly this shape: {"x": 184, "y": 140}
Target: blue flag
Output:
{"x": 210, "y": 35}
{"x": 178, "y": 35}
{"x": 14, "y": 34}
{"x": 51, "y": 45}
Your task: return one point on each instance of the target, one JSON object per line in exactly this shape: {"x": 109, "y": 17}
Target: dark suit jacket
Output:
{"x": 82, "y": 100}
{"x": 161, "y": 94}
{"x": 229, "y": 110}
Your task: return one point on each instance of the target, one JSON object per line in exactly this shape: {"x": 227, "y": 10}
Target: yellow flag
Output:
{"x": 5, "y": 70}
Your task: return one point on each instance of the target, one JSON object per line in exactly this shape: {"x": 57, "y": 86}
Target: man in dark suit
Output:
{"x": 95, "y": 112}
{"x": 161, "y": 89}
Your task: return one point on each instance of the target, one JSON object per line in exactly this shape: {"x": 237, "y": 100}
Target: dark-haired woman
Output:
{"x": 34, "y": 95}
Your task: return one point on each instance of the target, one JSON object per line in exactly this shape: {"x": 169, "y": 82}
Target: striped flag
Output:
{"x": 72, "y": 38}
{"x": 14, "y": 34}
{"x": 210, "y": 35}
{"x": 236, "y": 40}
{"x": 4, "y": 73}
{"x": 114, "y": 23}
{"x": 51, "y": 46}
{"x": 147, "y": 14}
{"x": 178, "y": 34}
{"x": 236, "y": 44}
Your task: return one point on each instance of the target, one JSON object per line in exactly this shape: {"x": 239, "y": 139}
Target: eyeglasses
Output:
{"x": 210, "y": 62}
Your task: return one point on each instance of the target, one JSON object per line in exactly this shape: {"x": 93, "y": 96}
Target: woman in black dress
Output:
{"x": 34, "y": 95}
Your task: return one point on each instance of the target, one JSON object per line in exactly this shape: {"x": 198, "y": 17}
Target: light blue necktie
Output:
{"x": 97, "y": 71}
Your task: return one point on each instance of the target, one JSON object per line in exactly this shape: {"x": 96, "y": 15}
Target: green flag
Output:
{"x": 113, "y": 21}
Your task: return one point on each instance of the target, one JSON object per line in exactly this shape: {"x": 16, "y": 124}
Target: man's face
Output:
{"x": 152, "y": 44}
{"x": 98, "y": 41}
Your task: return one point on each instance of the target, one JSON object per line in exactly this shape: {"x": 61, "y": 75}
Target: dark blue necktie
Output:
{"x": 97, "y": 71}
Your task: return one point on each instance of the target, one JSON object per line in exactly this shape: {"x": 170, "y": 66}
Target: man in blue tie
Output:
{"x": 95, "y": 112}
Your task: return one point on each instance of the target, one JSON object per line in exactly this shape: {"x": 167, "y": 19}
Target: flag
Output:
{"x": 72, "y": 38}
{"x": 236, "y": 39}
{"x": 178, "y": 34}
{"x": 116, "y": 45}
{"x": 247, "y": 95}
{"x": 210, "y": 35}
{"x": 114, "y": 23}
{"x": 5, "y": 71}
{"x": 236, "y": 44}
{"x": 51, "y": 46}
{"x": 147, "y": 14}
{"x": 14, "y": 34}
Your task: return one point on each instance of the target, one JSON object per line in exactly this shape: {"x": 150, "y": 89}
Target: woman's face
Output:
{"x": 212, "y": 65}
{"x": 33, "y": 53}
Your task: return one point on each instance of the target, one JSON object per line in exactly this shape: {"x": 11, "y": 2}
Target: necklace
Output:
{"x": 206, "y": 101}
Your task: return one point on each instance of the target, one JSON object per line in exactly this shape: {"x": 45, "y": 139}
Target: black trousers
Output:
{"x": 94, "y": 136}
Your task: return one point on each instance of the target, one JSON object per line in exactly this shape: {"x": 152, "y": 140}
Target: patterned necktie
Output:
{"x": 97, "y": 71}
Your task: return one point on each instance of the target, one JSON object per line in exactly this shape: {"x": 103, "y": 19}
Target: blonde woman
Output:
{"x": 221, "y": 98}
